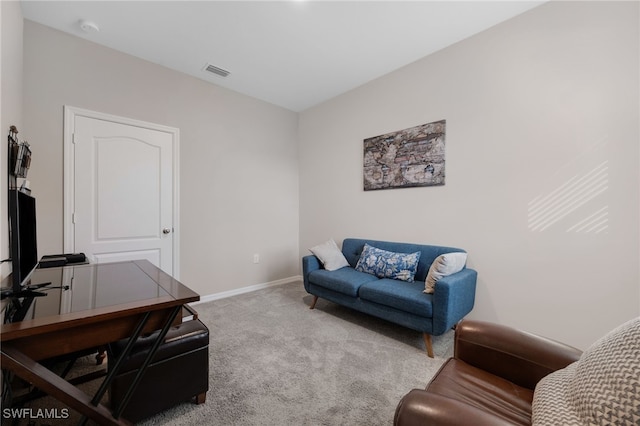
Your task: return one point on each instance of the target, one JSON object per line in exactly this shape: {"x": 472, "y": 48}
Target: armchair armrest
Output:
{"x": 453, "y": 298}
{"x": 520, "y": 357}
{"x": 420, "y": 407}
{"x": 310, "y": 263}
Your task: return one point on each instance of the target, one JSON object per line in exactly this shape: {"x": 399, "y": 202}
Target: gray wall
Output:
{"x": 532, "y": 106}
{"x": 10, "y": 103}
{"x": 238, "y": 155}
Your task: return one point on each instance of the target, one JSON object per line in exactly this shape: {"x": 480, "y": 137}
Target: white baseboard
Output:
{"x": 248, "y": 289}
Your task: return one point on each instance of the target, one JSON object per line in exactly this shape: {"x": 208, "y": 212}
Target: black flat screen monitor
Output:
{"x": 24, "y": 247}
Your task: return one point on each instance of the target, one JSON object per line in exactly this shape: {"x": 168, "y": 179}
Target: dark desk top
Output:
{"x": 80, "y": 293}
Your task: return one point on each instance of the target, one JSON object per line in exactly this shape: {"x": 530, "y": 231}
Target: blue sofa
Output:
{"x": 400, "y": 302}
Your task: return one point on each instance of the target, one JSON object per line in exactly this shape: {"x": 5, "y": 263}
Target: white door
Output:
{"x": 123, "y": 181}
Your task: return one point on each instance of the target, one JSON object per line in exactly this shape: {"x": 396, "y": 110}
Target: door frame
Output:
{"x": 70, "y": 115}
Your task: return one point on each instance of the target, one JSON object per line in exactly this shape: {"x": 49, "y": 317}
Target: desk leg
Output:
{"x": 125, "y": 353}
{"x": 52, "y": 384}
{"x": 14, "y": 360}
{"x": 125, "y": 400}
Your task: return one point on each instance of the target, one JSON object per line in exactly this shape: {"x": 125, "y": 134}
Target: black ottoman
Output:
{"x": 179, "y": 371}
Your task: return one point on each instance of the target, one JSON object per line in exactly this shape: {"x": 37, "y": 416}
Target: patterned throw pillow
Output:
{"x": 601, "y": 388}
{"x": 387, "y": 264}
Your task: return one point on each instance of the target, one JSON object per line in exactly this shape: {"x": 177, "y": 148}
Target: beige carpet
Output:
{"x": 273, "y": 361}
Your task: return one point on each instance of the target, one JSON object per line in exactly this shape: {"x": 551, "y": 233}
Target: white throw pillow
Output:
{"x": 445, "y": 264}
{"x": 329, "y": 255}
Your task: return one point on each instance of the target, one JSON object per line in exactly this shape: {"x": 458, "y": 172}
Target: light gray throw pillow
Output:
{"x": 445, "y": 264}
{"x": 329, "y": 255}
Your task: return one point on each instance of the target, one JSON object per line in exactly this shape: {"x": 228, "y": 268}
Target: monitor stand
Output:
{"x": 24, "y": 292}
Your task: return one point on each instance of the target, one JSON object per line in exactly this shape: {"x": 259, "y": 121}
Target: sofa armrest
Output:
{"x": 310, "y": 263}
{"x": 520, "y": 357}
{"x": 420, "y": 407}
{"x": 453, "y": 298}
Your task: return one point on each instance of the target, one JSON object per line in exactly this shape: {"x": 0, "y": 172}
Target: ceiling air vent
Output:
{"x": 215, "y": 70}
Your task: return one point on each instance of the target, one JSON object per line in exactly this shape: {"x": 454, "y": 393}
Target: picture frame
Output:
{"x": 412, "y": 157}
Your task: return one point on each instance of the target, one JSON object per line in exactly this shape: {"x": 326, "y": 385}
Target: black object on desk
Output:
{"x": 53, "y": 260}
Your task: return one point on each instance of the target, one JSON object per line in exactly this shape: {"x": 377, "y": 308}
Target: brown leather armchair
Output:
{"x": 489, "y": 381}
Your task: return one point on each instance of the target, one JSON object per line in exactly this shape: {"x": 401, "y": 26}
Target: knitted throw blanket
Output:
{"x": 601, "y": 388}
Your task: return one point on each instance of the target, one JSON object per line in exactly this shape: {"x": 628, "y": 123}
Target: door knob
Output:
{"x": 166, "y": 231}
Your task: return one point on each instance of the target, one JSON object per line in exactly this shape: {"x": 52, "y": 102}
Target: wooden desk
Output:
{"x": 103, "y": 303}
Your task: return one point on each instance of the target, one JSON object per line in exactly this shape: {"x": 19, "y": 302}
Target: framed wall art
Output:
{"x": 406, "y": 158}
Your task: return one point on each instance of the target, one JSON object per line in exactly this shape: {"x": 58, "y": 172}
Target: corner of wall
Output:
{"x": 11, "y": 48}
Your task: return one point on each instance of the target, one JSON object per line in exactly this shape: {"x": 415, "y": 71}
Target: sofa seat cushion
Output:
{"x": 494, "y": 395}
{"x": 402, "y": 295}
{"x": 344, "y": 280}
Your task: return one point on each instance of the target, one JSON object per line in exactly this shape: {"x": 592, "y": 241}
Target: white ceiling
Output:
{"x": 295, "y": 54}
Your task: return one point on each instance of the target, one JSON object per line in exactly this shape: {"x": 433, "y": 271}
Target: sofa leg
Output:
{"x": 313, "y": 302}
{"x": 427, "y": 344}
{"x": 201, "y": 398}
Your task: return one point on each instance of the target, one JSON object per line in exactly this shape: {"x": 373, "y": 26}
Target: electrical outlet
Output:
{"x": 256, "y": 258}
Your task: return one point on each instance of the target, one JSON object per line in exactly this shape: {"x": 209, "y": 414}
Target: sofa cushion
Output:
{"x": 329, "y": 255}
{"x": 401, "y": 295}
{"x": 344, "y": 280}
{"x": 388, "y": 264}
{"x": 467, "y": 384}
{"x": 444, "y": 265}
